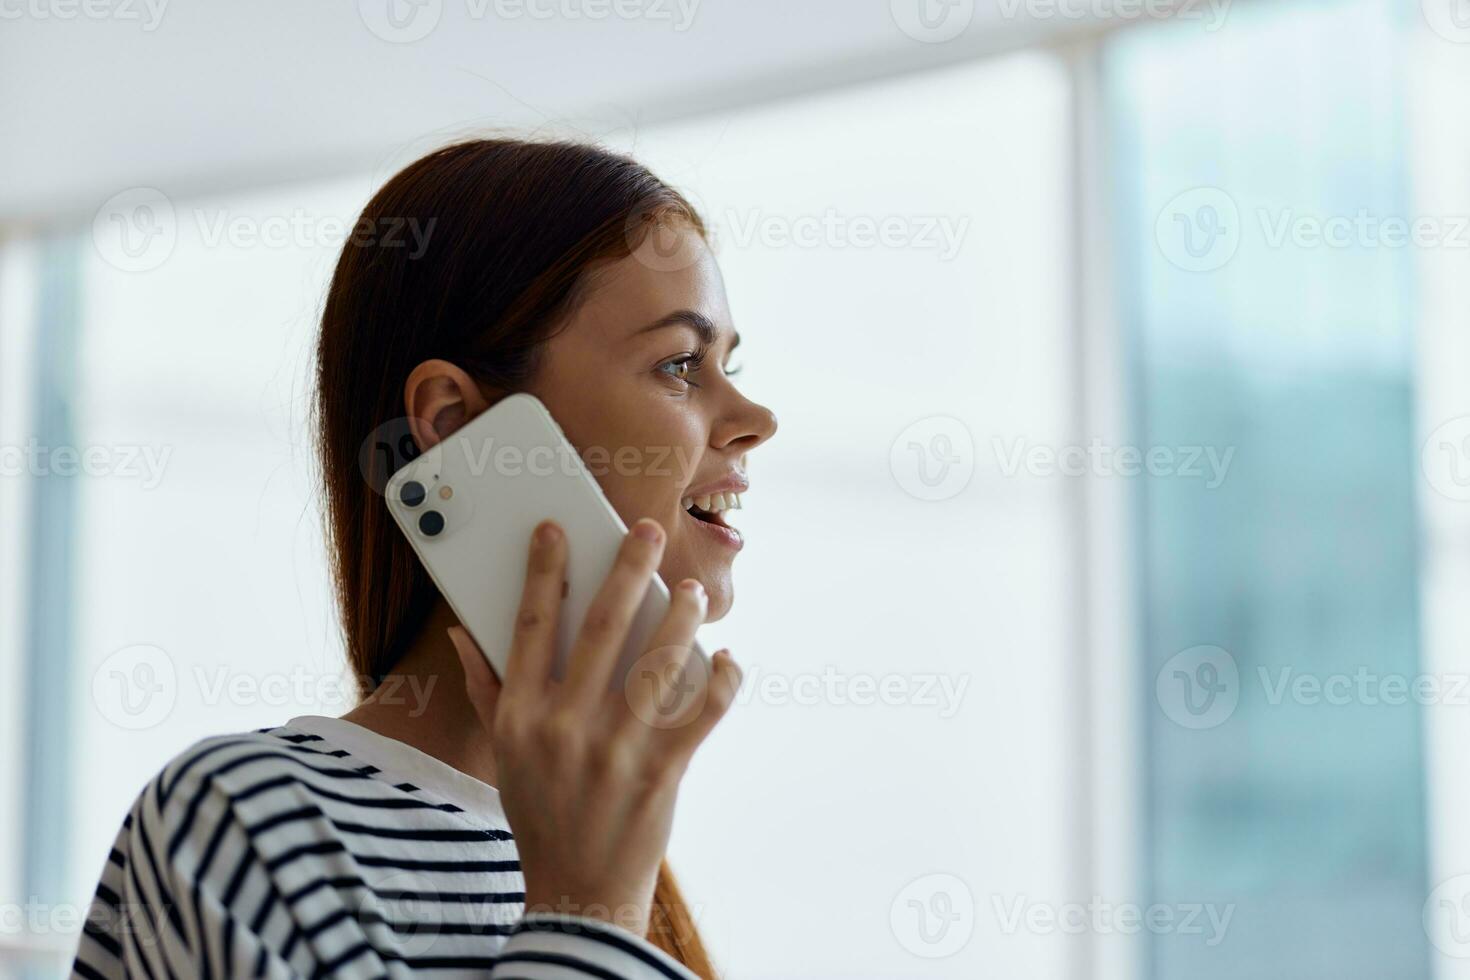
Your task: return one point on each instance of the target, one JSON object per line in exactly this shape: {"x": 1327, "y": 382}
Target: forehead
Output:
{"x": 629, "y": 293}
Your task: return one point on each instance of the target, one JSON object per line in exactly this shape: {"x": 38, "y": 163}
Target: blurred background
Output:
{"x": 1104, "y": 609}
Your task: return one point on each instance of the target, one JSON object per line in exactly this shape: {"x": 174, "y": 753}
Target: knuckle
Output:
{"x": 657, "y": 778}
{"x": 530, "y": 619}
{"x": 615, "y": 760}
{"x": 602, "y": 619}
{"x": 510, "y": 729}
{"x": 507, "y": 732}
{"x": 558, "y": 733}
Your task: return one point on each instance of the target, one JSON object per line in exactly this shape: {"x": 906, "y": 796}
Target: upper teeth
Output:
{"x": 713, "y": 502}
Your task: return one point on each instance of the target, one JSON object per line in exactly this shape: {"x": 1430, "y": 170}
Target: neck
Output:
{"x": 423, "y": 703}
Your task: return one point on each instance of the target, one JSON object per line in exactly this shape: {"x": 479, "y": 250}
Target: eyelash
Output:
{"x": 695, "y": 360}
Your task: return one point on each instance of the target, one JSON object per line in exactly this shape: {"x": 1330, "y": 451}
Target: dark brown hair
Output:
{"x": 476, "y": 253}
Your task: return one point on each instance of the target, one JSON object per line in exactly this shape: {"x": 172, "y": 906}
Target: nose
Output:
{"x": 746, "y": 425}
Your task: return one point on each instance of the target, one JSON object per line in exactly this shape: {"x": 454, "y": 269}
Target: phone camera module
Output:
{"x": 431, "y": 523}
{"x": 413, "y": 493}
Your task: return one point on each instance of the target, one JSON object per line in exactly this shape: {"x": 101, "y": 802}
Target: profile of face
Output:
{"x": 638, "y": 381}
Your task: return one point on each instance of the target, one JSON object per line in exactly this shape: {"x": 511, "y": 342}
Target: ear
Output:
{"x": 439, "y": 397}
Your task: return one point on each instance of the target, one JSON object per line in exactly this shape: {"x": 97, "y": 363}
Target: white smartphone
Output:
{"x": 469, "y": 504}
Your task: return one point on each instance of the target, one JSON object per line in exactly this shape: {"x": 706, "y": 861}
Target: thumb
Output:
{"x": 480, "y": 682}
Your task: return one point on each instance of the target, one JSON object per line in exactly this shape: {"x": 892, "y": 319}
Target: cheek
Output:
{"x": 646, "y": 477}
{"x": 642, "y": 451}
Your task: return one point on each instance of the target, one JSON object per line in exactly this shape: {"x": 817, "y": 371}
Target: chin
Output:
{"x": 716, "y": 579}
{"x": 721, "y": 598}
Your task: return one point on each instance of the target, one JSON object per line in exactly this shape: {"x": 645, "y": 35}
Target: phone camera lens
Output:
{"x": 431, "y": 523}
{"x": 413, "y": 493}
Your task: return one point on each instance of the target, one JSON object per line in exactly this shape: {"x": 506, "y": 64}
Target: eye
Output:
{"x": 679, "y": 368}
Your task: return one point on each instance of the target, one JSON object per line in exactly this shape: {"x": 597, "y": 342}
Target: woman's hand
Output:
{"x": 587, "y": 779}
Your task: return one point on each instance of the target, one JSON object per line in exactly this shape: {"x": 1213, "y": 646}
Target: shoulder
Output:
{"x": 239, "y": 760}
{"x": 211, "y": 777}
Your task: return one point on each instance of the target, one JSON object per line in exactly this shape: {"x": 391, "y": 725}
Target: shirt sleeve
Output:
{"x": 163, "y": 905}
{"x": 185, "y": 893}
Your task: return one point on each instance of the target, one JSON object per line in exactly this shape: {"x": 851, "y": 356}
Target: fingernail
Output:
{"x": 547, "y": 533}
{"x": 693, "y": 585}
{"x": 647, "y": 530}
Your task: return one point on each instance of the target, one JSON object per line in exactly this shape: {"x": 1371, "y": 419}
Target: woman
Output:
{"x": 484, "y": 827}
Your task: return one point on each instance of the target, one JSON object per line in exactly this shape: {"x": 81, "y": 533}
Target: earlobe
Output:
{"x": 438, "y": 398}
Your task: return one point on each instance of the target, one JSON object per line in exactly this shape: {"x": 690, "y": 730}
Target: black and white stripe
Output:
{"x": 278, "y": 854}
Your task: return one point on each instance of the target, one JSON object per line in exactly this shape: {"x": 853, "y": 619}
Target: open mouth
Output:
{"x": 711, "y": 509}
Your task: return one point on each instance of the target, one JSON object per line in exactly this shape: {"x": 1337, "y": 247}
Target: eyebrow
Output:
{"x": 697, "y": 321}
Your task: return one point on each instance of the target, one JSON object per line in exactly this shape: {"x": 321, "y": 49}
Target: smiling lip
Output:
{"x": 725, "y": 535}
{"x": 733, "y": 483}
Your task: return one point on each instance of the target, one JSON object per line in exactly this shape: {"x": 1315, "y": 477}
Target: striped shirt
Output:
{"x": 321, "y": 848}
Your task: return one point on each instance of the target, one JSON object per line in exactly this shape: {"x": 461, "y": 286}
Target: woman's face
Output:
{"x": 637, "y": 381}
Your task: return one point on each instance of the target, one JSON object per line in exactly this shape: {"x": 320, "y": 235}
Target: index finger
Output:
{"x": 533, "y": 640}
{"x": 610, "y": 615}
